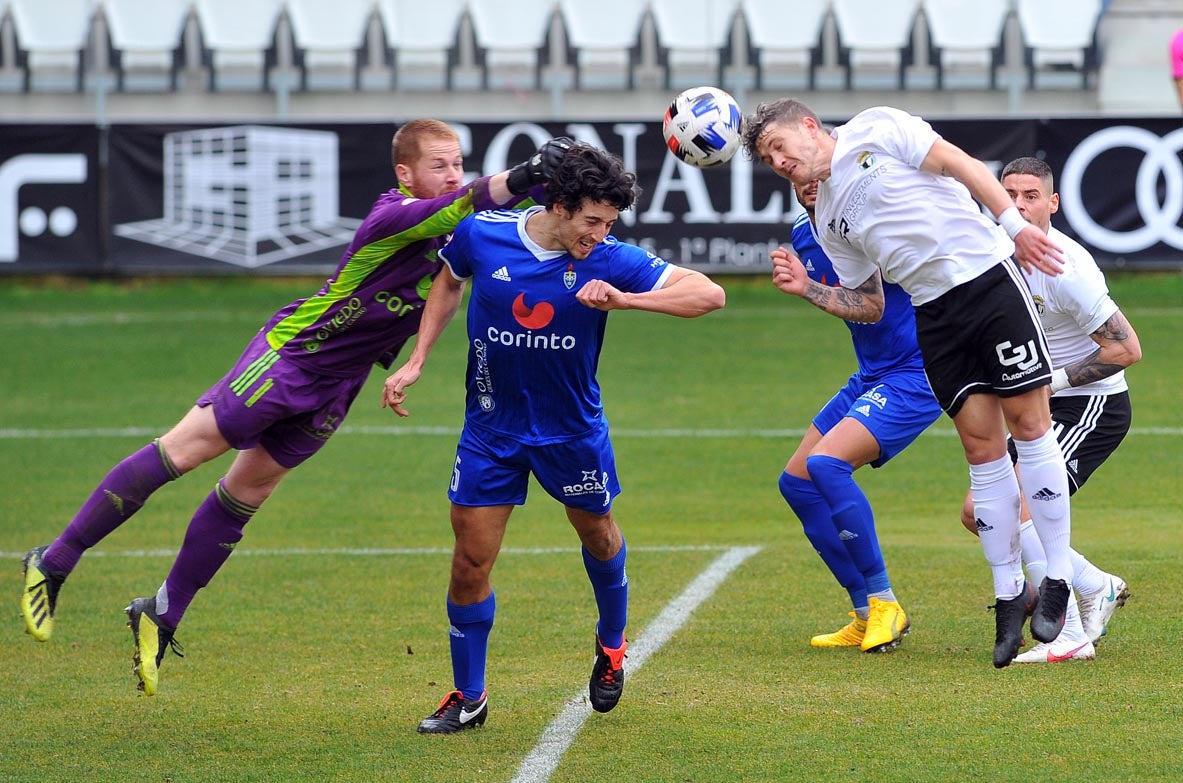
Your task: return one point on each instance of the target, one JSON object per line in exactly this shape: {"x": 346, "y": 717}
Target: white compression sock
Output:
{"x": 1034, "y": 560}
{"x": 1073, "y": 628}
{"x": 995, "y": 490}
{"x": 1086, "y": 577}
{"x": 1045, "y": 486}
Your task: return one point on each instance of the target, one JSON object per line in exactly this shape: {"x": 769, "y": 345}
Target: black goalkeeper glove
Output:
{"x": 540, "y": 167}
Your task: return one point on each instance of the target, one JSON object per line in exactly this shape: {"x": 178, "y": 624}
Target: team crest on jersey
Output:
{"x": 866, "y": 160}
{"x": 569, "y": 277}
{"x": 1040, "y": 305}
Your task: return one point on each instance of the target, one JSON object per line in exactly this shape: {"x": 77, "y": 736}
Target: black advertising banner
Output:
{"x": 49, "y": 199}
{"x": 286, "y": 198}
{"x": 227, "y": 198}
{"x": 1121, "y": 187}
{"x": 262, "y": 199}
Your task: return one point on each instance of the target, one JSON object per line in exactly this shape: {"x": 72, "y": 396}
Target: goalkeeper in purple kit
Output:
{"x": 290, "y": 389}
{"x": 543, "y": 281}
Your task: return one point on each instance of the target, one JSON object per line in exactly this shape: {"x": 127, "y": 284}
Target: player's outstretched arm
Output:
{"x": 686, "y": 294}
{"x": 1033, "y": 249}
{"x": 863, "y": 304}
{"x": 442, "y": 304}
{"x": 536, "y": 170}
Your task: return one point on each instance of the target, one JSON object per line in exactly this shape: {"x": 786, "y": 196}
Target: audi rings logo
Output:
{"x": 1161, "y": 220}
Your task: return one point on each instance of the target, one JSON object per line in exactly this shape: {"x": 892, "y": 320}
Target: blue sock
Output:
{"x": 610, "y": 585}
{"x": 813, "y": 511}
{"x": 471, "y": 624}
{"x": 853, "y": 518}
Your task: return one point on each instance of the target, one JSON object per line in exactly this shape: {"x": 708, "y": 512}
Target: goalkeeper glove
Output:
{"x": 540, "y": 167}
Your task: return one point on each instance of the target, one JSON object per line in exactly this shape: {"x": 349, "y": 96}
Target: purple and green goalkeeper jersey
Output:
{"x": 372, "y": 303}
{"x": 886, "y": 346}
{"x": 533, "y": 348}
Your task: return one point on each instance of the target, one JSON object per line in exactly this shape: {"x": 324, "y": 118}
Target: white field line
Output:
{"x": 381, "y": 551}
{"x": 152, "y": 432}
{"x": 558, "y": 736}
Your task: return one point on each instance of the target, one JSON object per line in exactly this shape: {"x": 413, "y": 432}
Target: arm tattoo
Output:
{"x": 1116, "y": 328}
{"x": 1090, "y": 369}
{"x": 863, "y": 304}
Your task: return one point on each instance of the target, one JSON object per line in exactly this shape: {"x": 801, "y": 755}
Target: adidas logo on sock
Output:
{"x": 982, "y": 525}
{"x": 1045, "y": 494}
{"x": 502, "y": 274}
{"x": 846, "y": 535}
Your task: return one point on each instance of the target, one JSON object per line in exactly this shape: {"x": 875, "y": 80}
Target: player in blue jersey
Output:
{"x": 290, "y": 389}
{"x": 884, "y": 406}
{"x": 543, "y": 282}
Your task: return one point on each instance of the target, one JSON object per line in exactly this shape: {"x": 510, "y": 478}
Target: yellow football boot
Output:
{"x": 850, "y": 635}
{"x": 886, "y": 626}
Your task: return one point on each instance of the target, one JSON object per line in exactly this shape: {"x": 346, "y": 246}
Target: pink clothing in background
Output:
{"x": 1177, "y": 55}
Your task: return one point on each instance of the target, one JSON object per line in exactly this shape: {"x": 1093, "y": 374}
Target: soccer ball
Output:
{"x": 701, "y": 127}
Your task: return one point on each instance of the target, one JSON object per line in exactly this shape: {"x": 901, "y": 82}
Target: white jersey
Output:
{"x": 925, "y": 232}
{"x": 1071, "y": 307}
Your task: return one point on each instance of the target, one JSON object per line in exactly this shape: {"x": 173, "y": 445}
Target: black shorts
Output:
{"x": 1088, "y": 428}
{"x": 983, "y": 337}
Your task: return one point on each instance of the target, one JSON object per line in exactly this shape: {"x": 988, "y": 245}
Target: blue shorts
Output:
{"x": 266, "y": 401}
{"x": 896, "y": 409}
{"x": 494, "y": 470}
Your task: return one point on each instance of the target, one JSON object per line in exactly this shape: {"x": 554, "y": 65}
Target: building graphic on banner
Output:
{"x": 248, "y": 195}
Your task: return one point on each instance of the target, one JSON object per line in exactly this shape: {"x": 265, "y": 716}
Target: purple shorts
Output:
{"x": 269, "y": 402}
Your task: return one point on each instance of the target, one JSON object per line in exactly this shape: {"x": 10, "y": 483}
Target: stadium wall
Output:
{"x": 133, "y": 199}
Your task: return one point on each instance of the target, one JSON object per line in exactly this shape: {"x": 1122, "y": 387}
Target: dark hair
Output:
{"x": 786, "y": 110}
{"x": 1033, "y": 167}
{"x": 588, "y": 173}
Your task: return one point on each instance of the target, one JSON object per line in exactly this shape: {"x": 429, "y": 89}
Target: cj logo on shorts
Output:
{"x": 1024, "y": 358}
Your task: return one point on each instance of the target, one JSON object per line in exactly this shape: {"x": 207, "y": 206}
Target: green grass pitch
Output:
{"x": 309, "y": 660}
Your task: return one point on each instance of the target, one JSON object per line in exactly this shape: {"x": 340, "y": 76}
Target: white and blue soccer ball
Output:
{"x": 702, "y": 127}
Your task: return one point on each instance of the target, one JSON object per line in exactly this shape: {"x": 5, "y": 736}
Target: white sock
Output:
{"x": 995, "y": 490}
{"x": 162, "y": 598}
{"x": 1073, "y": 628}
{"x": 1034, "y": 560}
{"x": 1045, "y": 486}
{"x": 1086, "y": 577}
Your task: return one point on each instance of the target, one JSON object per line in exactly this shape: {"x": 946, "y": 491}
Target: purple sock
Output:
{"x": 122, "y": 493}
{"x": 214, "y": 530}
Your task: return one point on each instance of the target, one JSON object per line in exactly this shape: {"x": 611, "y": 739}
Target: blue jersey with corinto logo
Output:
{"x": 533, "y": 348}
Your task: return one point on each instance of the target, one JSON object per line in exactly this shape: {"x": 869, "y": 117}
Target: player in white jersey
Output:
{"x": 897, "y": 203}
{"x": 1090, "y": 343}
{"x": 543, "y": 282}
